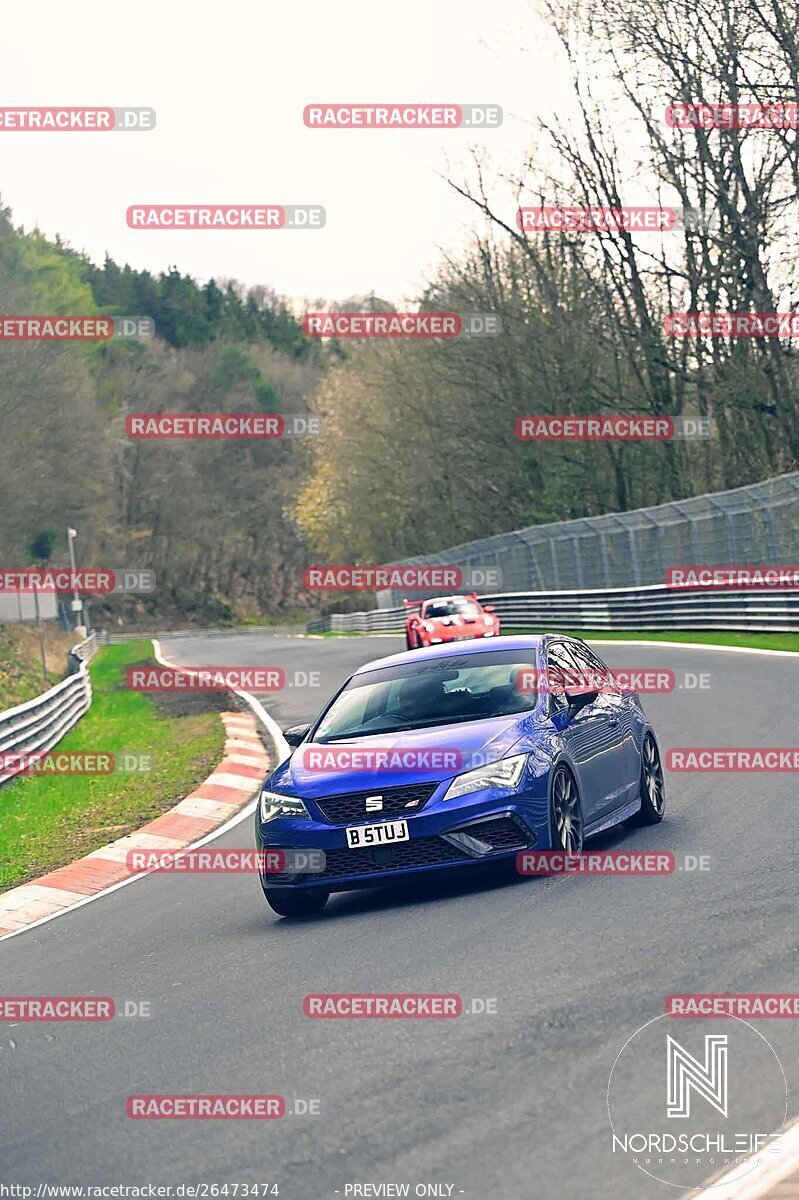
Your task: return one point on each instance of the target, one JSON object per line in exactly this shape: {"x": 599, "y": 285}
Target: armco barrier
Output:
{"x": 86, "y": 650}
{"x": 39, "y": 724}
{"x": 646, "y": 608}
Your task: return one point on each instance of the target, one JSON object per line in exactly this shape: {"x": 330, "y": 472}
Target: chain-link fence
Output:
{"x": 748, "y": 525}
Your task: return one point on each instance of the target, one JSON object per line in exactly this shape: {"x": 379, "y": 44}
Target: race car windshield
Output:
{"x": 451, "y": 608}
{"x": 443, "y": 691}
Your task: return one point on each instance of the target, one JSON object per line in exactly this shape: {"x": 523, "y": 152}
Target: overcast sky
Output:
{"x": 229, "y": 82}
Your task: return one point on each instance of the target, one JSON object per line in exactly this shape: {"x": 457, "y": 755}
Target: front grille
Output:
{"x": 397, "y": 802}
{"x": 502, "y": 833}
{"x": 420, "y": 852}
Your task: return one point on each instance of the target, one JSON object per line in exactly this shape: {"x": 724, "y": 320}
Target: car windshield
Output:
{"x": 451, "y": 608}
{"x": 440, "y": 691}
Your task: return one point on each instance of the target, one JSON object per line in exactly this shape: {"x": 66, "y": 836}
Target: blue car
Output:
{"x": 453, "y": 757}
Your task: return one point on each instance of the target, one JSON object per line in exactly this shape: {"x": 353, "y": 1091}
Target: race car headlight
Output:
{"x": 273, "y": 805}
{"x": 490, "y": 620}
{"x": 505, "y": 773}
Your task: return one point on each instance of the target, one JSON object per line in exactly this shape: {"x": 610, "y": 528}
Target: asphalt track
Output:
{"x": 511, "y": 1105}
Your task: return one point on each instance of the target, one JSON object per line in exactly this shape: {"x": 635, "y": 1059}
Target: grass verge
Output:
{"x": 757, "y": 641}
{"x": 49, "y": 820}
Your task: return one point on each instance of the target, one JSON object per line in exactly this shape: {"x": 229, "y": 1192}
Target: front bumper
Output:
{"x": 448, "y": 838}
{"x": 436, "y": 639}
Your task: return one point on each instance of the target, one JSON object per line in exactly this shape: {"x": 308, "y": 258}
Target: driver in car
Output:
{"x": 421, "y": 699}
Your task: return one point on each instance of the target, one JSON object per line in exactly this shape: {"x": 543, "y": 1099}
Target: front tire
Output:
{"x": 305, "y": 902}
{"x": 653, "y": 787}
{"x": 566, "y": 813}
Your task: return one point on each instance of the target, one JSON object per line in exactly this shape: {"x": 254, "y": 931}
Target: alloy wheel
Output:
{"x": 568, "y": 817}
{"x": 653, "y": 775}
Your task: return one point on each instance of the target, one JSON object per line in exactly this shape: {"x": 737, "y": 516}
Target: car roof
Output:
{"x": 472, "y": 646}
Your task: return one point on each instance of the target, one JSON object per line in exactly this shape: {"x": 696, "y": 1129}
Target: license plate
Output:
{"x": 359, "y": 836}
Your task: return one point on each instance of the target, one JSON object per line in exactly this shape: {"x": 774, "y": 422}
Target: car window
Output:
{"x": 442, "y": 609}
{"x": 574, "y": 671}
{"x": 593, "y": 674}
{"x": 601, "y": 669}
{"x": 469, "y": 610}
{"x": 558, "y": 669}
{"x": 356, "y": 707}
{"x": 450, "y": 608}
{"x": 439, "y": 691}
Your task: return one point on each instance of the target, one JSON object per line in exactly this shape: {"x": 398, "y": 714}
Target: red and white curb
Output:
{"x": 216, "y": 802}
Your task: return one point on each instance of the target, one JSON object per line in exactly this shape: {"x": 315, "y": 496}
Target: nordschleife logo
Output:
{"x": 685, "y": 1074}
{"x": 689, "y": 1098}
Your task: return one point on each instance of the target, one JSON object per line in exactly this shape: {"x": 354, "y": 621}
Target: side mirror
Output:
{"x": 489, "y": 608}
{"x": 579, "y": 701}
{"x": 296, "y": 735}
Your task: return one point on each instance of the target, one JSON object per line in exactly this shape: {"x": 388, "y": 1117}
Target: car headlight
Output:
{"x": 273, "y": 805}
{"x": 505, "y": 773}
{"x": 489, "y": 620}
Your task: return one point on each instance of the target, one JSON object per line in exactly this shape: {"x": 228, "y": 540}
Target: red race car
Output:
{"x": 449, "y": 619}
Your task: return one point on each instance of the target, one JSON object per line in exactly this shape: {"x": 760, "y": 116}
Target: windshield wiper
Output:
{"x": 453, "y": 720}
{"x": 359, "y": 733}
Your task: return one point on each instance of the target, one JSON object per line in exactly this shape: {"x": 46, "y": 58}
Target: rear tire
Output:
{"x": 653, "y": 787}
{"x": 409, "y": 644}
{"x": 306, "y": 902}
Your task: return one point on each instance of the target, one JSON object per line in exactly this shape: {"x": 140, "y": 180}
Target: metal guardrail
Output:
{"x": 39, "y": 724}
{"x": 86, "y": 650}
{"x": 637, "y": 608}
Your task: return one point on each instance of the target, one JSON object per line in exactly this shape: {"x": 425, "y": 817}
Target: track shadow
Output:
{"x": 343, "y": 905}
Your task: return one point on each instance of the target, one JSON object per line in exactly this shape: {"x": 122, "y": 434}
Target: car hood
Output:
{"x": 460, "y": 747}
